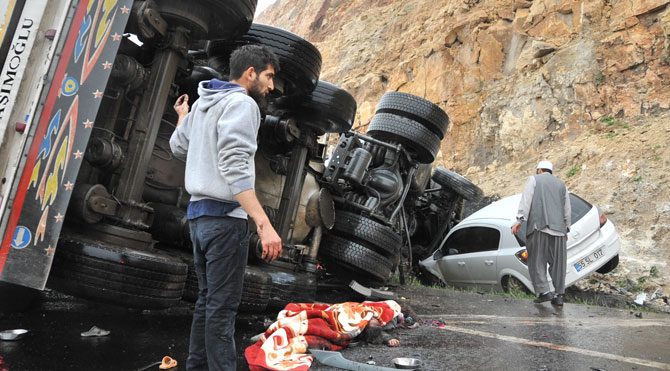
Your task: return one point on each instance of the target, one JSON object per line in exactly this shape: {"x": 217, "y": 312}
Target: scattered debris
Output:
{"x": 168, "y": 363}
{"x": 95, "y": 331}
{"x": 335, "y": 359}
{"x": 372, "y": 294}
{"x": 10, "y": 335}
{"x": 641, "y": 297}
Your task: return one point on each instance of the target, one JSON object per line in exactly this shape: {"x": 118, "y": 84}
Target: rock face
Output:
{"x": 584, "y": 83}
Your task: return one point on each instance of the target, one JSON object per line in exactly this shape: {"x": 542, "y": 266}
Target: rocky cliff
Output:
{"x": 584, "y": 83}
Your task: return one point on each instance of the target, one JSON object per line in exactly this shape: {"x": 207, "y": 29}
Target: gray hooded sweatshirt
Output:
{"x": 218, "y": 141}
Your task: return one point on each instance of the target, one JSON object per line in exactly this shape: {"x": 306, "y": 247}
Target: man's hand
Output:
{"x": 516, "y": 227}
{"x": 181, "y": 107}
{"x": 270, "y": 240}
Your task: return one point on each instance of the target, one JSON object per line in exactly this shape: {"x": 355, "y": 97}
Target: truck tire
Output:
{"x": 367, "y": 232}
{"x": 290, "y": 286}
{"x": 458, "y": 183}
{"x": 415, "y": 108}
{"x": 209, "y": 19}
{"x": 351, "y": 260}
{"x": 116, "y": 274}
{"x": 422, "y": 143}
{"x": 255, "y": 292}
{"x": 328, "y": 108}
{"x": 299, "y": 60}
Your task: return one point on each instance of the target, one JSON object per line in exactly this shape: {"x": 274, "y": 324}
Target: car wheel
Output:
{"x": 417, "y": 109}
{"x": 351, "y": 260}
{"x": 22, "y": 298}
{"x": 146, "y": 279}
{"x": 299, "y": 60}
{"x": 512, "y": 284}
{"x": 422, "y": 143}
{"x": 367, "y": 232}
{"x": 328, "y": 108}
{"x": 610, "y": 265}
{"x": 458, "y": 183}
{"x": 209, "y": 19}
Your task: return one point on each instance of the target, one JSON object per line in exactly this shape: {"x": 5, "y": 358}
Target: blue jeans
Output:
{"x": 220, "y": 248}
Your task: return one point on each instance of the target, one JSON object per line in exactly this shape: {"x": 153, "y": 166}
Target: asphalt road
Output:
{"x": 459, "y": 330}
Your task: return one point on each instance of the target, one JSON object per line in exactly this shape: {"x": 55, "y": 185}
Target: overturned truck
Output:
{"x": 93, "y": 201}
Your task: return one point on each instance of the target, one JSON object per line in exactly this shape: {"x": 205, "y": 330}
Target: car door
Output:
{"x": 469, "y": 256}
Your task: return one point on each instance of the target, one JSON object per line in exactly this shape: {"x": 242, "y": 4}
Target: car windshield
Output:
{"x": 579, "y": 208}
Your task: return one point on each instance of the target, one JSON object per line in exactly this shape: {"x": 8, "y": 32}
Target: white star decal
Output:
{"x": 68, "y": 186}
{"x": 59, "y": 218}
{"x": 106, "y": 65}
{"x": 125, "y": 10}
{"x": 88, "y": 124}
{"x": 78, "y": 154}
{"x": 116, "y": 37}
{"x": 97, "y": 94}
{"x": 50, "y": 250}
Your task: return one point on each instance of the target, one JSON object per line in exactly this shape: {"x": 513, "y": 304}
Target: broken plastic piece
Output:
{"x": 168, "y": 363}
{"x": 15, "y": 334}
{"x": 641, "y": 297}
{"x": 371, "y": 294}
{"x": 95, "y": 331}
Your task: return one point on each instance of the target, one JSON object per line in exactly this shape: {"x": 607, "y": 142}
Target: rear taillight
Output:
{"x": 603, "y": 219}
{"x": 522, "y": 255}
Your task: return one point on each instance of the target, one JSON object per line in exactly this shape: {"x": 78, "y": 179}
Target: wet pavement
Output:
{"x": 459, "y": 330}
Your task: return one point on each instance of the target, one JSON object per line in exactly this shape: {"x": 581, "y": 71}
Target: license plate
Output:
{"x": 588, "y": 260}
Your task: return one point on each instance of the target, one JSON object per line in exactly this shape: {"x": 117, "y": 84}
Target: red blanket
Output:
{"x": 323, "y": 326}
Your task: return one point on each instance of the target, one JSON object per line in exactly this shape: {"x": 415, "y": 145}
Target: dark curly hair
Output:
{"x": 256, "y": 56}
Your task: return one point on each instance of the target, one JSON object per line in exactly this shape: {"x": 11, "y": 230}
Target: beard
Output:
{"x": 257, "y": 95}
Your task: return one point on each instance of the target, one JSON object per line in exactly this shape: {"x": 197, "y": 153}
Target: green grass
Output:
{"x": 637, "y": 179}
{"x": 573, "y": 171}
{"x": 654, "y": 272}
{"x": 613, "y": 122}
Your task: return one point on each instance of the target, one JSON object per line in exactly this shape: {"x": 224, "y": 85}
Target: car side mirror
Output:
{"x": 453, "y": 251}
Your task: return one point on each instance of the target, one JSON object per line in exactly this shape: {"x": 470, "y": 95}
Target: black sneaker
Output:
{"x": 544, "y": 297}
{"x": 557, "y": 300}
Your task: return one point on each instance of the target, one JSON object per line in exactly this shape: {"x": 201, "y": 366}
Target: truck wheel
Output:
{"x": 118, "y": 275}
{"x": 290, "y": 286}
{"x": 328, "y": 108}
{"x": 299, "y": 60}
{"x": 367, "y": 232}
{"x": 209, "y": 19}
{"x": 458, "y": 183}
{"x": 609, "y": 266}
{"x": 422, "y": 143}
{"x": 255, "y": 292}
{"x": 352, "y": 260}
{"x": 417, "y": 109}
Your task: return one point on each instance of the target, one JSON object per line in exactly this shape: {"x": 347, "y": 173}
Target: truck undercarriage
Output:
{"x": 103, "y": 198}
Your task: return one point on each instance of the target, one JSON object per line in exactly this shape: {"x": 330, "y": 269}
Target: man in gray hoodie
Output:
{"x": 218, "y": 141}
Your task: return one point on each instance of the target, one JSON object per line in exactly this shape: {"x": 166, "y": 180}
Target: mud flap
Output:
{"x": 52, "y": 159}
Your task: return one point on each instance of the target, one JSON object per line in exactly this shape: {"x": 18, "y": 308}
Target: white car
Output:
{"x": 481, "y": 250}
